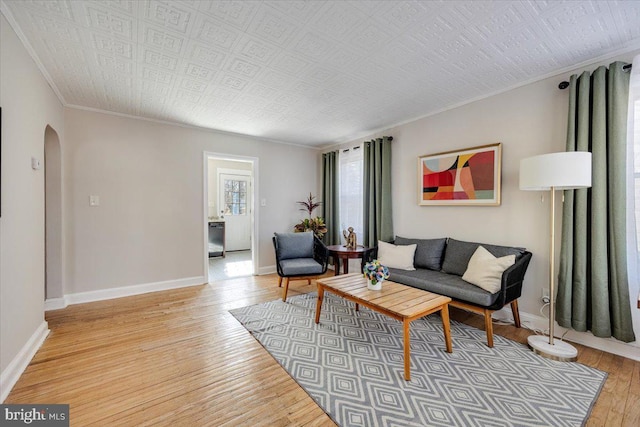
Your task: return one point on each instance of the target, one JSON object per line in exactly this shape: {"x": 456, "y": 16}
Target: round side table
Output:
{"x": 341, "y": 253}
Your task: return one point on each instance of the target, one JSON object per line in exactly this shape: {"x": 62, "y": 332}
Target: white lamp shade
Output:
{"x": 562, "y": 171}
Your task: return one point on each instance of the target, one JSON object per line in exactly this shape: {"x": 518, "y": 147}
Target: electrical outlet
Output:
{"x": 545, "y": 296}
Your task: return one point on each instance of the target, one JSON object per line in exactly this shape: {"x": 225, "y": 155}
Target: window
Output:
{"x": 235, "y": 197}
{"x": 636, "y": 163}
{"x": 351, "y": 163}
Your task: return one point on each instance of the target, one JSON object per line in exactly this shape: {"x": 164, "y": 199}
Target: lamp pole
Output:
{"x": 552, "y": 266}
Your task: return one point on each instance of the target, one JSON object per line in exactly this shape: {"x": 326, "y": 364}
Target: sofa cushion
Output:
{"x": 485, "y": 270}
{"x": 428, "y": 251}
{"x": 458, "y": 253}
{"x": 396, "y": 256}
{"x": 295, "y": 245}
{"x": 300, "y": 267}
{"x": 444, "y": 284}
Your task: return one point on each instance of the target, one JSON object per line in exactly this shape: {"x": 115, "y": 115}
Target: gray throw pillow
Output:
{"x": 429, "y": 252}
{"x": 458, "y": 253}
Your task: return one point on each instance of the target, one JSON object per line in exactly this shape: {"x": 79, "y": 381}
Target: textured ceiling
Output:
{"x": 308, "y": 72}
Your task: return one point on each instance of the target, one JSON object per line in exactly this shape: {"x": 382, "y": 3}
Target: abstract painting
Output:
{"x": 461, "y": 177}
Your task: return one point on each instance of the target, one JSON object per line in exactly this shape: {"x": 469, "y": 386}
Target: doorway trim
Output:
{"x": 253, "y": 205}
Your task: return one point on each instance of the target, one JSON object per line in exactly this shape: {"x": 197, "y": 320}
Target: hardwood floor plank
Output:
{"x": 632, "y": 406}
{"x": 179, "y": 357}
{"x": 619, "y": 385}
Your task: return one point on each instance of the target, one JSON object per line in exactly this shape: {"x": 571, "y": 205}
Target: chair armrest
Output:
{"x": 275, "y": 247}
{"x": 320, "y": 252}
{"x": 512, "y": 278}
{"x": 371, "y": 254}
{"x": 515, "y": 273}
{"x": 367, "y": 256}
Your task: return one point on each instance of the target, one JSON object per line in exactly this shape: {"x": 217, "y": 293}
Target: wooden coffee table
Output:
{"x": 397, "y": 301}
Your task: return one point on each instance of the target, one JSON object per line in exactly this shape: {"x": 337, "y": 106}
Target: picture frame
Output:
{"x": 466, "y": 177}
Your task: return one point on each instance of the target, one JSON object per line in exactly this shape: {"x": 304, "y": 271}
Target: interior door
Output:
{"x": 235, "y": 202}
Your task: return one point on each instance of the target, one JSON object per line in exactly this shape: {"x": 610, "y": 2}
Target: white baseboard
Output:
{"x": 610, "y": 345}
{"x": 11, "y": 374}
{"x": 126, "y": 291}
{"x": 55, "y": 303}
{"x": 271, "y": 269}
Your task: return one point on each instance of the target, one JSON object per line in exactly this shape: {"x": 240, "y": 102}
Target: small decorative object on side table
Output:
{"x": 375, "y": 273}
{"x": 351, "y": 238}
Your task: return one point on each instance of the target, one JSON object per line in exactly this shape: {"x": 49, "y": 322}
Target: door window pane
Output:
{"x": 235, "y": 197}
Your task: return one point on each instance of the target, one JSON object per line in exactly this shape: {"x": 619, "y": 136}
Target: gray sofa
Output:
{"x": 439, "y": 266}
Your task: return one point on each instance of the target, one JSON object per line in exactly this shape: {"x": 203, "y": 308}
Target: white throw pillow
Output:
{"x": 485, "y": 270}
{"x": 396, "y": 256}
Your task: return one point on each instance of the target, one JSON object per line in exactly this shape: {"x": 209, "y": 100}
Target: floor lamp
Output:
{"x": 555, "y": 171}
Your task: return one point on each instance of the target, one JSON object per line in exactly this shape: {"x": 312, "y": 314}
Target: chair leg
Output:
{"x": 516, "y": 313}
{"x": 286, "y": 289}
{"x": 488, "y": 326}
{"x": 279, "y": 281}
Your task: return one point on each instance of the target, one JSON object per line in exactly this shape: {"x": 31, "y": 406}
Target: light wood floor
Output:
{"x": 179, "y": 358}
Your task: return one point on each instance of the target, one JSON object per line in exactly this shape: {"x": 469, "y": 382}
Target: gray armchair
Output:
{"x": 299, "y": 256}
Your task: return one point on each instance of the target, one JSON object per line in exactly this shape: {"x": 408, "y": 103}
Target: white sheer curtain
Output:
{"x": 351, "y": 185}
{"x": 633, "y": 193}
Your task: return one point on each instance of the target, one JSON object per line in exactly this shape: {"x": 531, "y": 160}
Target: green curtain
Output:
{"x": 593, "y": 288}
{"x": 330, "y": 197}
{"x": 377, "y": 214}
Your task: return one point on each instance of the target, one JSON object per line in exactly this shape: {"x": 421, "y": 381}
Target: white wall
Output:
{"x": 525, "y": 120}
{"x": 528, "y": 120}
{"x": 149, "y": 226}
{"x": 28, "y": 106}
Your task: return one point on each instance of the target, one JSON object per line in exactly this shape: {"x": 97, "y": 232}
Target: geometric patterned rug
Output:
{"x": 351, "y": 364}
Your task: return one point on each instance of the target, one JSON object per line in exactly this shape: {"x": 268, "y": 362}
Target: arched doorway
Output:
{"x": 53, "y": 215}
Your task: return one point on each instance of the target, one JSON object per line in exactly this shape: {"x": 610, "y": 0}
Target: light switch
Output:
{"x": 94, "y": 200}
{"x": 36, "y": 164}
{"x": 263, "y": 202}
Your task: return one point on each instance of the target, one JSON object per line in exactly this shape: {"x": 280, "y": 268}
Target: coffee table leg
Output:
{"x": 407, "y": 351}
{"x": 319, "y": 303}
{"x": 336, "y": 265}
{"x": 445, "y": 325}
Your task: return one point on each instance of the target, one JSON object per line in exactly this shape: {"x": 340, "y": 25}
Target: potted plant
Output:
{"x": 316, "y": 224}
{"x": 375, "y": 273}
